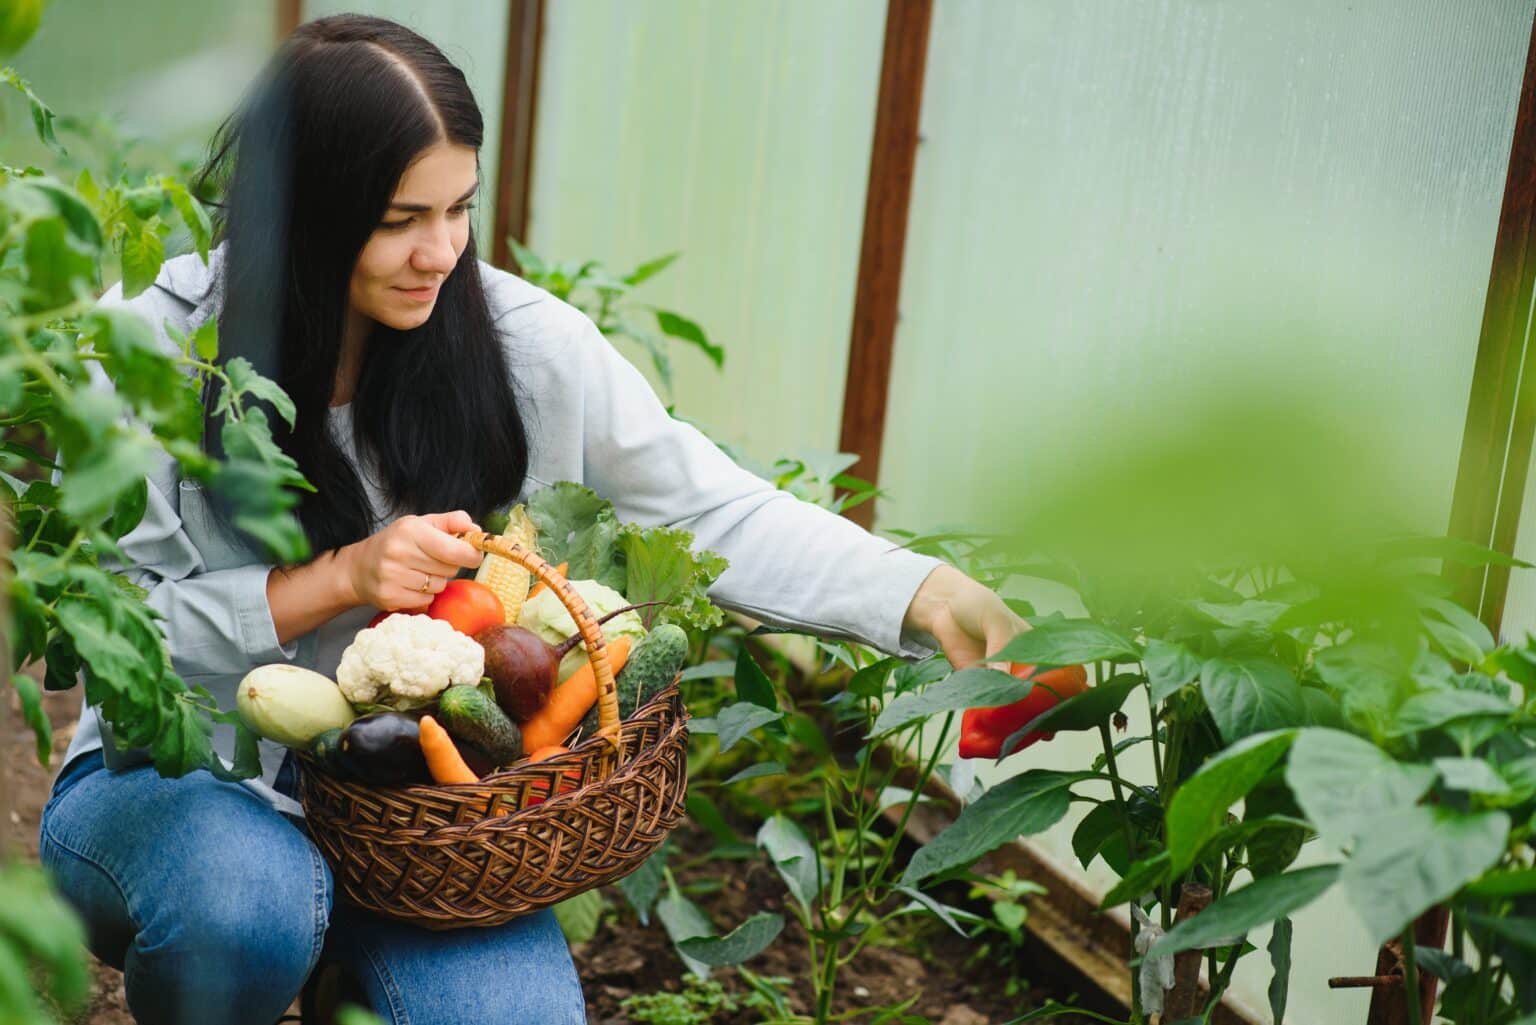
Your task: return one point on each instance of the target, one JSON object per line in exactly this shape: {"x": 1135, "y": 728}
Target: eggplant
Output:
{"x": 384, "y": 749}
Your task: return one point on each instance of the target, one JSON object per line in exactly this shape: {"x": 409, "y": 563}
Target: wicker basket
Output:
{"x": 445, "y": 857}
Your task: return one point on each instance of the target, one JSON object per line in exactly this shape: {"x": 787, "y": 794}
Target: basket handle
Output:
{"x": 591, "y": 633}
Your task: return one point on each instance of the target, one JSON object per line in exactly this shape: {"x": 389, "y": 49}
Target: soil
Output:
{"x": 953, "y": 980}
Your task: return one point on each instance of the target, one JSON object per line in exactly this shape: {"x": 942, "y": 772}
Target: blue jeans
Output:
{"x": 216, "y": 907}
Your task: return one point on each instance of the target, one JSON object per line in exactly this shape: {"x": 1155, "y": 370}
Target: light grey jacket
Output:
{"x": 592, "y": 418}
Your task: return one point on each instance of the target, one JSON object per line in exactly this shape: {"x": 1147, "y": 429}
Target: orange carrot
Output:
{"x": 538, "y": 586}
{"x": 443, "y": 758}
{"x": 548, "y": 751}
{"x": 570, "y": 701}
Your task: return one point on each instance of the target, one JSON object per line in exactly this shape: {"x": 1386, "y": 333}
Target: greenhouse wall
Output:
{"x": 1113, "y": 199}
{"x": 738, "y": 135}
{"x": 473, "y": 36}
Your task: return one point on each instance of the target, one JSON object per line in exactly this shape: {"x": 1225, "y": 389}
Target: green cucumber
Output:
{"x": 653, "y": 664}
{"x": 470, "y": 715}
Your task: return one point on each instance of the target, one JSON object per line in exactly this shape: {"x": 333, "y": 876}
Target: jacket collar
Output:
{"x": 191, "y": 281}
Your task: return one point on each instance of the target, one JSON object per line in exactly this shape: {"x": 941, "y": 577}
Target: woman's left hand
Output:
{"x": 969, "y": 621}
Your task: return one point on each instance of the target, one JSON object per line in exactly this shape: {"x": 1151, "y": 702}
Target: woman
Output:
{"x": 423, "y": 381}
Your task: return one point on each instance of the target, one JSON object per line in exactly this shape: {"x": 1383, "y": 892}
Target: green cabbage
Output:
{"x": 545, "y": 615}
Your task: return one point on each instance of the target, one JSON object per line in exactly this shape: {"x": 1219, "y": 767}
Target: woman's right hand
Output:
{"x": 407, "y": 563}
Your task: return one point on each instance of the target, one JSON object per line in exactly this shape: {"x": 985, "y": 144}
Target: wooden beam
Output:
{"x": 876, "y": 303}
{"x": 1501, "y": 416}
{"x": 290, "y": 13}
{"x": 519, "y": 103}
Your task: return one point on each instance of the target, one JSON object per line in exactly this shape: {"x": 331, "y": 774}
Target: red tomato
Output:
{"x": 570, "y": 781}
{"x": 468, "y": 606}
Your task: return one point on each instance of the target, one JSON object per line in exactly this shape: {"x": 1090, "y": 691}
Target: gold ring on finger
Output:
{"x": 426, "y": 585}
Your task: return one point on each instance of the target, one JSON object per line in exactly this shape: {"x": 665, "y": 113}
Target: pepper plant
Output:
{"x": 1363, "y": 711}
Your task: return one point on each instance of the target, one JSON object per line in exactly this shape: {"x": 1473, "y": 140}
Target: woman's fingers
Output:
{"x": 434, "y": 535}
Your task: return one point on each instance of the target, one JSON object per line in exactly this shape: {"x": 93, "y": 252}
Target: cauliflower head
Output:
{"x": 545, "y": 615}
{"x": 406, "y": 661}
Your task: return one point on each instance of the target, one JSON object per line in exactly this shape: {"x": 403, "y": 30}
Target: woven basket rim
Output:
{"x": 583, "y": 750}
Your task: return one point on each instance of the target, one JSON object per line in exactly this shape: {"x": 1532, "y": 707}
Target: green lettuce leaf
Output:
{"x": 662, "y": 567}
{"x": 579, "y": 528}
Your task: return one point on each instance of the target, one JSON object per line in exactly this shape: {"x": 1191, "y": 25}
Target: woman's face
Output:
{"x": 419, "y": 241}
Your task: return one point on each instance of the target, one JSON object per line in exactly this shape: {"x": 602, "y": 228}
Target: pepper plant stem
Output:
{"x": 1411, "y": 978}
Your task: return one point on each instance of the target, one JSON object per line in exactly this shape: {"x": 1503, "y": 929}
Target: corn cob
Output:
{"x": 509, "y": 580}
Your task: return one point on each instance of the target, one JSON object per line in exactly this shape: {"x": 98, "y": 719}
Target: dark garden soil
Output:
{"x": 953, "y": 985}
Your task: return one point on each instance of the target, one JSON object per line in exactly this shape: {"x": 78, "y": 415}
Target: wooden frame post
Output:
{"x": 1501, "y": 415}
{"x": 290, "y": 14}
{"x": 519, "y": 104}
{"x": 892, "y": 160}
{"x": 1495, "y": 456}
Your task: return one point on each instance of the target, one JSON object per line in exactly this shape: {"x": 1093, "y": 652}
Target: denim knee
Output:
{"x": 228, "y": 949}
{"x": 213, "y": 905}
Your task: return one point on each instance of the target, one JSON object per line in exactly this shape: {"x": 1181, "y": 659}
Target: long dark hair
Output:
{"x": 307, "y": 166}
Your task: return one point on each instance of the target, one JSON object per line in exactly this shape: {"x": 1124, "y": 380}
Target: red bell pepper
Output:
{"x": 983, "y": 730}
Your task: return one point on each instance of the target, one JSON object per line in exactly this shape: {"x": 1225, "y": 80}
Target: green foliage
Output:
{"x": 701, "y": 1002}
{"x": 581, "y": 916}
{"x": 648, "y": 564}
{"x": 100, "y": 445}
{"x": 1341, "y": 698}
{"x": 605, "y": 297}
{"x": 39, "y": 937}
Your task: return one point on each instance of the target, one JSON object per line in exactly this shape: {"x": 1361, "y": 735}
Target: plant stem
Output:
{"x": 1130, "y": 847}
{"x": 1411, "y": 978}
{"x": 917, "y": 790}
{"x": 1220, "y": 981}
{"x": 1114, "y": 782}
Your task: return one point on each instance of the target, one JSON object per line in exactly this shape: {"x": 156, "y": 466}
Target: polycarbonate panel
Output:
{"x": 474, "y": 37}
{"x": 1116, "y": 196}
{"x": 167, "y": 71}
{"x": 738, "y": 134}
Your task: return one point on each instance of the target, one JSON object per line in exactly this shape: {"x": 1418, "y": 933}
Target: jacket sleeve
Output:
{"x": 792, "y": 563}
{"x": 216, "y": 621}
